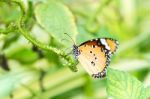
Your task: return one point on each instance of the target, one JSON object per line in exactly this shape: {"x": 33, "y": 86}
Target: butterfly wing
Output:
{"x": 113, "y": 44}
{"x": 94, "y": 56}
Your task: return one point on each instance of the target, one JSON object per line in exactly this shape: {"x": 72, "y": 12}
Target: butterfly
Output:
{"x": 95, "y": 55}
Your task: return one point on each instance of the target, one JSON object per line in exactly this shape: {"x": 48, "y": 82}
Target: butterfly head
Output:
{"x": 76, "y": 51}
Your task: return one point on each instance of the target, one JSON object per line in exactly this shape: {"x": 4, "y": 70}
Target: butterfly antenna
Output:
{"x": 70, "y": 37}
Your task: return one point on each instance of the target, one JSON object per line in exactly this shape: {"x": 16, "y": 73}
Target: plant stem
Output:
{"x": 38, "y": 43}
{"x": 20, "y": 27}
{"x": 6, "y": 31}
{"x": 21, "y": 5}
{"x": 10, "y": 28}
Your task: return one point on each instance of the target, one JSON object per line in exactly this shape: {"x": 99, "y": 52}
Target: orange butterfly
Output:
{"x": 94, "y": 55}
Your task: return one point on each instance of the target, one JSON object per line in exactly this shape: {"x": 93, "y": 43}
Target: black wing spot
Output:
{"x": 93, "y": 54}
{"x": 93, "y": 63}
{"x": 96, "y": 59}
{"x": 93, "y": 46}
{"x": 90, "y": 51}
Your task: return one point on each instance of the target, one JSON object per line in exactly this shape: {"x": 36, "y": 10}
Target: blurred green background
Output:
{"x": 30, "y": 72}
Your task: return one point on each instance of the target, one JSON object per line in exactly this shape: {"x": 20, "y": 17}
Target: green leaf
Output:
{"x": 56, "y": 19}
{"x": 10, "y": 81}
{"x": 8, "y": 12}
{"x": 121, "y": 85}
{"x": 83, "y": 35}
{"x": 23, "y": 55}
{"x": 146, "y": 93}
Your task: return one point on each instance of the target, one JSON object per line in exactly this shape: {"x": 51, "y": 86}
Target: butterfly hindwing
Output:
{"x": 95, "y": 55}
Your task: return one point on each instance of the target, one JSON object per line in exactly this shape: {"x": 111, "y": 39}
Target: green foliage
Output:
{"x": 56, "y": 19}
{"x": 33, "y": 42}
{"x": 6, "y": 15}
{"x": 11, "y": 80}
{"x": 121, "y": 85}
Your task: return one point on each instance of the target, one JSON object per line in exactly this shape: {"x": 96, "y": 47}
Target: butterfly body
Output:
{"x": 94, "y": 55}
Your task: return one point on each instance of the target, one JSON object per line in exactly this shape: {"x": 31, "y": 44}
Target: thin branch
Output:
{"x": 25, "y": 33}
